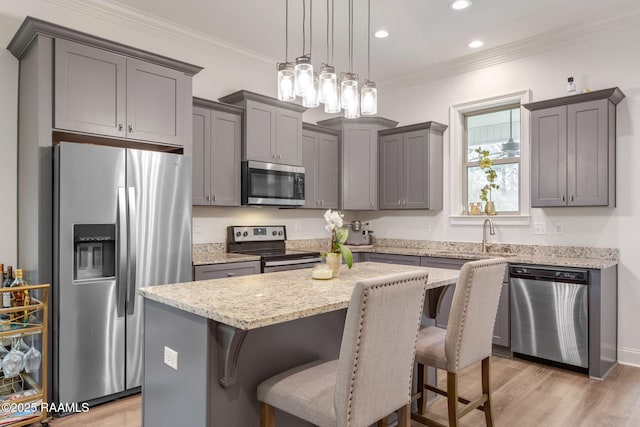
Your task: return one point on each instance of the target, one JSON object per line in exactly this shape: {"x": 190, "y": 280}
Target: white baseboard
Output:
{"x": 629, "y": 356}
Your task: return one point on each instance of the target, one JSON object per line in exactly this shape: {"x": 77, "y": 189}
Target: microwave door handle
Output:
{"x": 121, "y": 282}
{"x": 133, "y": 235}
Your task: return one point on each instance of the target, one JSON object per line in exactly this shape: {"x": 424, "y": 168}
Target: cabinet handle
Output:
{"x": 399, "y": 203}
{"x": 321, "y": 202}
{"x": 214, "y": 197}
{"x": 130, "y": 128}
{"x": 572, "y": 197}
{"x": 231, "y": 274}
{"x": 404, "y": 203}
{"x": 563, "y": 197}
{"x": 279, "y": 156}
{"x": 207, "y": 197}
{"x": 120, "y": 127}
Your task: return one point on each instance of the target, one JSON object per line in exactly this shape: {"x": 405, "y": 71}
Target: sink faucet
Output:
{"x": 492, "y": 232}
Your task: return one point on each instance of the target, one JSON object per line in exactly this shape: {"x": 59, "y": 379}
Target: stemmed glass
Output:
{"x": 13, "y": 362}
{"x": 3, "y": 353}
{"x": 32, "y": 359}
{"x": 22, "y": 346}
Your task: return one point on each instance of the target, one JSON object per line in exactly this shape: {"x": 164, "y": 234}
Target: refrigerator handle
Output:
{"x": 133, "y": 235}
{"x": 122, "y": 251}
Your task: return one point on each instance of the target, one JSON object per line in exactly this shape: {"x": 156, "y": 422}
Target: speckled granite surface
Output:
{"x": 561, "y": 256}
{"x": 249, "y": 302}
{"x": 214, "y": 253}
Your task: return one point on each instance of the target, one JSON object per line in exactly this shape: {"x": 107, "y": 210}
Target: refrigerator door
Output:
{"x": 89, "y": 337}
{"x": 159, "y": 200}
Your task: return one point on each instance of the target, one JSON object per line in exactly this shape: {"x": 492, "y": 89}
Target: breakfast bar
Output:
{"x": 208, "y": 344}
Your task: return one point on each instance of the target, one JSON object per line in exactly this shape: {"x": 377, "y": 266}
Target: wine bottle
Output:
{"x": 6, "y": 296}
{"x": 19, "y": 298}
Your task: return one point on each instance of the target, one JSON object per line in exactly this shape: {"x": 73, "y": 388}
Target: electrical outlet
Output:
{"x": 428, "y": 227}
{"x": 539, "y": 228}
{"x": 557, "y": 228}
{"x": 197, "y": 226}
{"x": 171, "y": 357}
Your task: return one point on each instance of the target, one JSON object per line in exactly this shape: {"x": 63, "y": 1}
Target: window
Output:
{"x": 496, "y": 130}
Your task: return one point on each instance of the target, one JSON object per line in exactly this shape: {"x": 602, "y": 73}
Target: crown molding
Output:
{"x": 520, "y": 49}
{"x": 134, "y": 19}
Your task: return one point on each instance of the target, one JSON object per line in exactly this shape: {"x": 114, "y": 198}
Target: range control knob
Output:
{"x": 245, "y": 234}
{"x": 238, "y": 234}
{"x": 274, "y": 232}
{"x": 280, "y": 233}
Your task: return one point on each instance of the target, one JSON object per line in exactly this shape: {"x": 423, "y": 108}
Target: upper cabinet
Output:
{"x": 359, "y": 170}
{"x": 573, "y": 149}
{"x": 320, "y": 159}
{"x": 217, "y": 137}
{"x": 411, "y": 167}
{"x": 272, "y": 128}
{"x": 104, "y": 89}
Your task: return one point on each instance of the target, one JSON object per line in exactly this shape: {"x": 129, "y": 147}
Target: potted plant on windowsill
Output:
{"x": 485, "y": 192}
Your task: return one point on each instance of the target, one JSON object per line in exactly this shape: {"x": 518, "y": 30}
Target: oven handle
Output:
{"x": 292, "y": 262}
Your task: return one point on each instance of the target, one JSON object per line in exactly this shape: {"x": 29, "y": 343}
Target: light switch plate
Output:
{"x": 171, "y": 357}
{"x": 539, "y": 228}
{"x": 557, "y": 228}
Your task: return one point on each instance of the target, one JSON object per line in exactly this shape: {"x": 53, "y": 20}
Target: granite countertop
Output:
{"x": 221, "y": 258}
{"x": 254, "y": 301}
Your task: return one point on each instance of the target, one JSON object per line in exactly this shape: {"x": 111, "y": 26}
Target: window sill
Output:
{"x": 496, "y": 219}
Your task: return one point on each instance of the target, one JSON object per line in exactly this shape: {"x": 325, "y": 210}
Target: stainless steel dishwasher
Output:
{"x": 549, "y": 315}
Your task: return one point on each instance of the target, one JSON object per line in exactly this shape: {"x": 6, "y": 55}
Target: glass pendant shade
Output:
{"x": 311, "y": 96}
{"x": 369, "y": 95}
{"x": 328, "y": 82}
{"x": 349, "y": 91}
{"x": 286, "y": 82}
{"x": 353, "y": 110}
{"x": 332, "y": 104}
{"x": 304, "y": 75}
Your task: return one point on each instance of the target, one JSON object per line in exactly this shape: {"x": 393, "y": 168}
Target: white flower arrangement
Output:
{"x": 338, "y": 235}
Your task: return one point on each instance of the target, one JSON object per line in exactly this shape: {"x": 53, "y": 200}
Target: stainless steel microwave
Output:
{"x": 271, "y": 184}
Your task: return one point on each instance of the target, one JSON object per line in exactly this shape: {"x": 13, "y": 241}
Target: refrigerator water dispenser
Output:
{"x": 94, "y": 251}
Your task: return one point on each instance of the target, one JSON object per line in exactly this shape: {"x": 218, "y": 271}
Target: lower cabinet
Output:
{"x": 220, "y": 271}
{"x": 392, "y": 258}
{"x": 501, "y": 330}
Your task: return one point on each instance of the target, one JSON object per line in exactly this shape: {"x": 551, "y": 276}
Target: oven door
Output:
{"x": 272, "y": 184}
{"x": 290, "y": 264}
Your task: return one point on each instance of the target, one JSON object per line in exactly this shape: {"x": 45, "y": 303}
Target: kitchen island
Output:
{"x": 260, "y": 324}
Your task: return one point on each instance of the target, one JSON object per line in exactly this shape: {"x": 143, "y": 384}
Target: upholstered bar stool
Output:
{"x": 466, "y": 340}
{"x": 372, "y": 377}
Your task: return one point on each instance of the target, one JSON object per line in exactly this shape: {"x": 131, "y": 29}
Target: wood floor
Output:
{"x": 524, "y": 394}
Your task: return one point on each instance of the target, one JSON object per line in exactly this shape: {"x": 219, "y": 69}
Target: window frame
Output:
{"x": 466, "y": 164}
{"x": 457, "y": 112}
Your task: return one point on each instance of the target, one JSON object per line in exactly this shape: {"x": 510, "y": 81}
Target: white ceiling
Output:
{"x": 425, "y": 34}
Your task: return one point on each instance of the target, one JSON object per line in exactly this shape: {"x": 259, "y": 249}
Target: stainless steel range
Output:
{"x": 268, "y": 242}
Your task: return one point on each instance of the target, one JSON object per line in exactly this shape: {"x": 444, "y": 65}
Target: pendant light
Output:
{"x": 349, "y": 85}
{"x": 312, "y": 93}
{"x": 304, "y": 69}
{"x": 369, "y": 91}
{"x": 327, "y": 78}
{"x": 286, "y": 70}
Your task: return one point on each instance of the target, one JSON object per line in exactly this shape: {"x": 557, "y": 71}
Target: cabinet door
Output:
{"x": 327, "y": 183}
{"x": 549, "y": 157}
{"x": 501, "y": 326}
{"x": 288, "y": 140}
{"x": 155, "y": 100}
{"x": 392, "y": 171}
{"x": 201, "y": 146}
{"x": 309, "y": 162}
{"x": 416, "y": 170}
{"x": 226, "y": 140}
{"x": 359, "y": 167}
{"x": 221, "y": 271}
{"x": 260, "y": 131}
{"x": 90, "y": 89}
{"x": 393, "y": 259}
{"x": 588, "y": 154}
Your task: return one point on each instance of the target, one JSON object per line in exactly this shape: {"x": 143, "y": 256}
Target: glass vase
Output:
{"x": 334, "y": 261}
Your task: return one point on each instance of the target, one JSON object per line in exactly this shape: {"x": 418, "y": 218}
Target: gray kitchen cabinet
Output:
{"x": 573, "y": 149}
{"x": 105, "y": 93}
{"x": 320, "y": 158}
{"x": 272, "y": 129}
{"x": 216, "y": 146}
{"x": 501, "y": 328}
{"x": 221, "y": 271}
{"x": 359, "y": 171}
{"x": 411, "y": 167}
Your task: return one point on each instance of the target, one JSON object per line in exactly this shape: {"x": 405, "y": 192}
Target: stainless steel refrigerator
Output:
{"x": 122, "y": 220}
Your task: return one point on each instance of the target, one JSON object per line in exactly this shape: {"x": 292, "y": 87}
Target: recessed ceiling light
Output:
{"x": 476, "y": 44}
{"x": 381, "y": 34}
{"x": 460, "y": 4}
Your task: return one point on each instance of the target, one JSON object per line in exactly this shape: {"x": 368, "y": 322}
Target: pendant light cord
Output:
{"x": 310, "y": 26}
{"x": 333, "y": 8}
{"x": 369, "y": 40}
{"x": 351, "y": 36}
{"x": 327, "y": 31}
{"x": 286, "y": 32}
{"x": 304, "y": 20}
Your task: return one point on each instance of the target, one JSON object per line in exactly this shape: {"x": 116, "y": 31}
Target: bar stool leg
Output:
{"x": 404, "y": 416}
{"x": 267, "y": 415}
{"x": 452, "y": 397}
{"x": 486, "y": 390}
{"x": 423, "y": 377}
